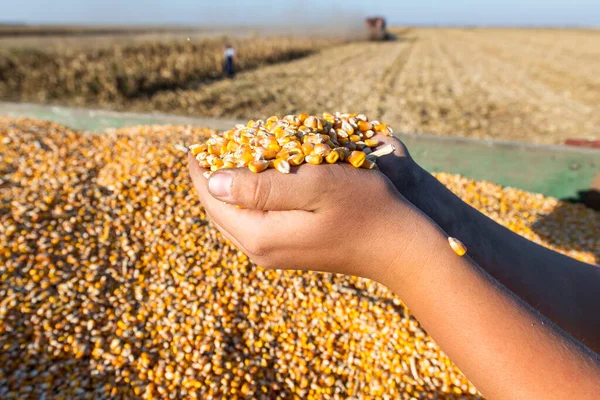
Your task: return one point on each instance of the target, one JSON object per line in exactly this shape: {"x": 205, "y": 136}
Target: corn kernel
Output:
{"x": 357, "y": 158}
{"x": 314, "y": 159}
{"x": 258, "y": 165}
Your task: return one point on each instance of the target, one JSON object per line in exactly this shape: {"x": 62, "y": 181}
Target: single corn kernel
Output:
{"x": 311, "y": 122}
{"x": 283, "y": 153}
{"x": 322, "y": 149}
{"x": 346, "y": 127}
{"x": 214, "y": 150}
{"x": 364, "y": 126}
{"x": 372, "y": 142}
{"x": 232, "y": 146}
{"x": 357, "y": 158}
{"x": 258, "y": 165}
{"x": 266, "y": 153}
{"x": 307, "y": 148}
{"x": 332, "y": 157}
{"x": 354, "y": 138}
{"x": 245, "y": 159}
{"x": 296, "y": 160}
{"x": 279, "y": 132}
{"x": 368, "y": 164}
{"x": 281, "y": 165}
{"x": 197, "y": 149}
{"x": 350, "y": 146}
{"x": 302, "y": 117}
{"x": 314, "y": 159}
{"x": 458, "y": 247}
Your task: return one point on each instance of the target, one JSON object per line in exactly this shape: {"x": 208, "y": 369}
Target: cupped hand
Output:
{"x": 333, "y": 218}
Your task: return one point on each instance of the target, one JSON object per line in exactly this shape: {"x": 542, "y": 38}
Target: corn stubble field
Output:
{"x": 539, "y": 86}
{"x": 114, "y": 283}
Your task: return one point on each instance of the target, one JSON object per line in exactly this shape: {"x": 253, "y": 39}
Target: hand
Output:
{"x": 332, "y": 218}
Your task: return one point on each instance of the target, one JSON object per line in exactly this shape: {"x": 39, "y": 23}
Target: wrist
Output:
{"x": 402, "y": 235}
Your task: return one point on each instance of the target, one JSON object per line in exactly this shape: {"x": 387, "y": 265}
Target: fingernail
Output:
{"x": 219, "y": 185}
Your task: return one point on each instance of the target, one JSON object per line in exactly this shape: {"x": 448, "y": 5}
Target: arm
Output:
{"x": 505, "y": 348}
{"x": 563, "y": 289}
{"x": 508, "y": 350}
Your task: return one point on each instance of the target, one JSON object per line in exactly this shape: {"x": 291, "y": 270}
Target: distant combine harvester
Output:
{"x": 376, "y": 28}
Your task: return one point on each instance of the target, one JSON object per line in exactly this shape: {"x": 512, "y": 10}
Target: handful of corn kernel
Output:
{"x": 294, "y": 140}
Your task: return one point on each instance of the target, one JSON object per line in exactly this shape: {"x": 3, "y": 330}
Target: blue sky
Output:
{"x": 199, "y": 12}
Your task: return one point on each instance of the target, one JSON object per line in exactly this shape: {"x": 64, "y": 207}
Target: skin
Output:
{"x": 561, "y": 288}
{"x": 315, "y": 217}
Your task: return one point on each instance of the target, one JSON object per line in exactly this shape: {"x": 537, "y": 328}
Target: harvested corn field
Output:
{"x": 113, "y": 283}
{"x": 113, "y": 71}
{"x": 537, "y": 86}
{"x": 530, "y": 85}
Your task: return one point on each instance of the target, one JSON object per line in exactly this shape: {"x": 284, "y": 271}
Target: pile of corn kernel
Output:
{"x": 292, "y": 140}
{"x": 113, "y": 284}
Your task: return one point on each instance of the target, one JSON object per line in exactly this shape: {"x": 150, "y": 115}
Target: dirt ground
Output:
{"x": 539, "y": 86}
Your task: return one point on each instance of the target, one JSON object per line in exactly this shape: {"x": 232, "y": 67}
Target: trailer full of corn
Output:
{"x": 114, "y": 284}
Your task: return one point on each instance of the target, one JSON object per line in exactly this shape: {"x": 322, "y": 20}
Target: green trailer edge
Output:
{"x": 558, "y": 171}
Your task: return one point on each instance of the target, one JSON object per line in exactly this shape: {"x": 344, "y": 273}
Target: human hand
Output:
{"x": 332, "y": 218}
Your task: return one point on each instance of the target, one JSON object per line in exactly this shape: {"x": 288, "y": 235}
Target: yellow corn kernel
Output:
{"x": 322, "y": 149}
{"x": 329, "y": 117}
{"x": 258, "y": 165}
{"x": 458, "y": 247}
{"x": 228, "y": 164}
{"x": 371, "y": 142}
{"x": 311, "y": 122}
{"x": 273, "y": 145}
{"x": 354, "y": 138}
{"x": 217, "y": 162}
{"x": 357, "y": 158}
{"x": 332, "y": 157}
{"x": 302, "y": 117}
{"x": 279, "y": 132}
{"x": 245, "y": 159}
{"x": 281, "y": 165}
{"x": 232, "y": 146}
{"x": 266, "y": 153}
{"x": 197, "y": 149}
{"x": 314, "y": 159}
{"x": 343, "y": 140}
{"x": 364, "y": 126}
{"x": 284, "y": 140}
{"x": 283, "y": 153}
{"x": 346, "y": 127}
{"x": 229, "y": 135}
{"x": 307, "y": 148}
{"x": 296, "y": 160}
{"x": 214, "y": 149}
{"x": 383, "y": 129}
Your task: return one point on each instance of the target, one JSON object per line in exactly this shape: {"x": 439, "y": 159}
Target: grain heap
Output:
{"x": 114, "y": 284}
{"x": 293, "y": 140}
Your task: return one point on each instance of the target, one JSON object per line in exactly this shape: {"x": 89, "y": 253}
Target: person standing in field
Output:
{"x": 229, "y": 61}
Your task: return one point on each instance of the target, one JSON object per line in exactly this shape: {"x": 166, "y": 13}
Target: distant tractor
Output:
{"x": 376, "y": 28}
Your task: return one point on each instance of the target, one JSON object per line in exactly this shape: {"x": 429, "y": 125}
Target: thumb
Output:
{"x": 269, "y": 190}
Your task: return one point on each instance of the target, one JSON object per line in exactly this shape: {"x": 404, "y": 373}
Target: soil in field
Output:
{"x": 532, "y": 85}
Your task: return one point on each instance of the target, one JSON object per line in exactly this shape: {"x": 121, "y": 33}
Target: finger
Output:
{"x": 400, "y": 149}
{"x": 237, "y": 223}
{"x": 229, "y": 236}
{"x": 271, "y": 190}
